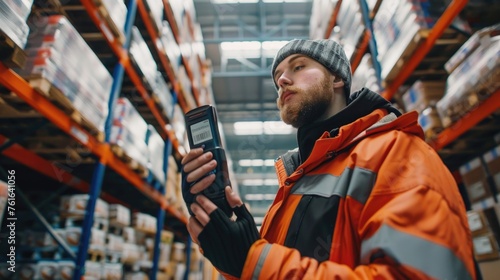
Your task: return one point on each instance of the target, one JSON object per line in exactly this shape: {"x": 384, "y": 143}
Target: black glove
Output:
{"x": 226, "y": 243}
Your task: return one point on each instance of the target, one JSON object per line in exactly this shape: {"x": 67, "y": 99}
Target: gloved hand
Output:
{"x": 225, "y": 242}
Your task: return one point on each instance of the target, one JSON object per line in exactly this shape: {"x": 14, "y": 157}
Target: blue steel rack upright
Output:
{"x": 98, "y": 175}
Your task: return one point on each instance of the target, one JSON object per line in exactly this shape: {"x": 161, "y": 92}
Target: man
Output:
{"x": 363, "y": 196}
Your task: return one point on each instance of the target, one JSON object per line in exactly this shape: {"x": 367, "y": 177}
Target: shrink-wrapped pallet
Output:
{"x": 54, "y": 52}
{"x": 142, "y": 57}
{"x": 156, "y": 147}
{"x": 13, "y": 15}
{"x": 129, "y": 132}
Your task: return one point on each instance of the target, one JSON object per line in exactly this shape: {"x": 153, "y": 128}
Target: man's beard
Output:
{"x": 311, "y": 105}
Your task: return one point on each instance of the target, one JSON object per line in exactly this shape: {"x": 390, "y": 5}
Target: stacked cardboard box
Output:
{"x": 475, "y": 179}
{"x": 492, "y": 161}
{"x": 485, "y": 227}
{"x": 422, "y": 97}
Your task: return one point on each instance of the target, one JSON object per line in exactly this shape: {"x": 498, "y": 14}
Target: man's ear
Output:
{"x": 338, "y": 83}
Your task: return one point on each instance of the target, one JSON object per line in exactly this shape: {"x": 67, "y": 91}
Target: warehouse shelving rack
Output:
{"x": 367, "y": 42}
{"x": 102, "y": 151}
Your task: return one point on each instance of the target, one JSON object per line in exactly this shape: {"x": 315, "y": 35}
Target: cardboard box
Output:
{"x": 430, "y": 122}
{"x": 474, "y": 177}
{"x": 485, "y": 247}
{"x": 492, "y": 160}
{"x": 422, "y": 94}
{"x": 478, "y": 223}
{"x": 490, "y": 269}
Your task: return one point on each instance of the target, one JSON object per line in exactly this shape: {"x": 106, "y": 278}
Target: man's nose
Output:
{"x": 284, "y": 80}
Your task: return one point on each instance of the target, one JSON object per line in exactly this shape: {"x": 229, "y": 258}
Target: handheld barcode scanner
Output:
{"x": 202, "y": 130}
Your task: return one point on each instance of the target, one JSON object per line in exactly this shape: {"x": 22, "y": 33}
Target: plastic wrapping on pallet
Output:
{"x": 125, "y": 114}
{"x": 133, "y": 147}
{"x": 129, "y": 131}
{"x": 185, "y": 83}
{"x": 156, "y": 147}
{"x": 13, "y": 20}
{"x": 178, "y": 124}
{"x": 195, "y": 67}
{"x": 320, "y": 17}
{"x": 162, "y": 92}
{"x": 177, "y": 8}
{"x": 21, "y": 7}
{"x": 117, "y": 10}
{"x": 198, "y": 45}
{"x": 471, "y": 82}
{"x": 156, "y": 10}
{"x": 142, "y": 57}
{"x": 54, "y": 52}
{"x": 170, "y": 46}
{"x": 481, "y": 37}
{"x": 350, "y": 26}
{"x": 395, "y": 26}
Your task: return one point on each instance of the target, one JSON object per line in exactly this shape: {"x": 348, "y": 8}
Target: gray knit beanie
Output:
{"x": 327, "y": 52}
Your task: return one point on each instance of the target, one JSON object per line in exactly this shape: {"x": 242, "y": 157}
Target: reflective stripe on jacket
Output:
{"x": 375, "y": 201}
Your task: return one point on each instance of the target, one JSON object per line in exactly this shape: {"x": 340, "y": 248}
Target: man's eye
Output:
{"x": 298, "y": 67}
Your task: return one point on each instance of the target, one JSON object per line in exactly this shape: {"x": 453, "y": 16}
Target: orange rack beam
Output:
{"x": 333, "y": 20}
{"x": 163, "y": 58}
{"x": 443, "y": 22}
{"x": 485, "y": 109}
{"x": 361, "y": 50}
{"x": 41, "y": 165}
{"x": 18, "y": 85}
{"x": 45, "y": 107}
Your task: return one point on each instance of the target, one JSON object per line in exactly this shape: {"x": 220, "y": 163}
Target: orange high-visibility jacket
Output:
{"x": 375, "y": 201}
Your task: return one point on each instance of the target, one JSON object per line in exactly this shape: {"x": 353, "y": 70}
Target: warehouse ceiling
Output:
{"x": 243, "y": 90}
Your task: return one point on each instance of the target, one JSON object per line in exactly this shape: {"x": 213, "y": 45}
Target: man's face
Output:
{"x": 305, "y": 90}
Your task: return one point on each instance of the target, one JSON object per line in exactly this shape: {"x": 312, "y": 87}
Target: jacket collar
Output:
{"x": 360, "y": 104}
{"x": 328, "y": 146}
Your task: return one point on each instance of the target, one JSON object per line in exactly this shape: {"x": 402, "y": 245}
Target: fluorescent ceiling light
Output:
{"x": 258, "y": 128}
{"x": 248, "y": 45}
{"x": 273, "y": 45}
